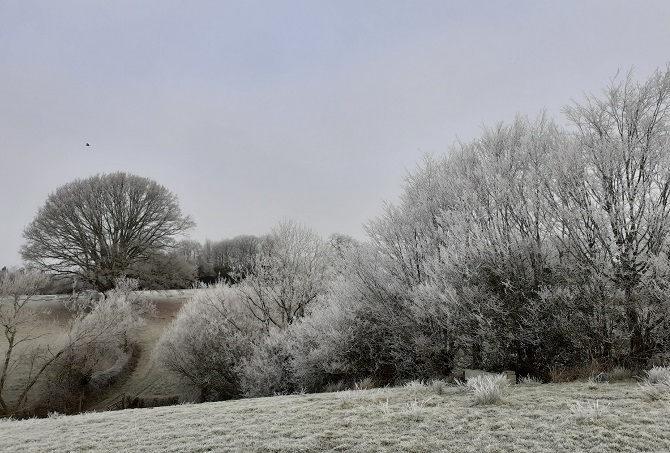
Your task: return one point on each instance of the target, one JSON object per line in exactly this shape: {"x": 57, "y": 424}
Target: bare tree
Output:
{"x": 289, "y": 271}
{"x": 96, "y": 228}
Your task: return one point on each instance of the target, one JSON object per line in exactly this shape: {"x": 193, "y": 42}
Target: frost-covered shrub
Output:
{"x": 362, "y": 330}
{"x": 267, "y": 370}
{"x": 206, "y": 342}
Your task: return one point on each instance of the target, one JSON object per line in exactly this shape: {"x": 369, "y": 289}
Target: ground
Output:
{"x": 538, "y": 418}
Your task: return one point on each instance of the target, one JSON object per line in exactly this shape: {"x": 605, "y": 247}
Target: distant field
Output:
{"x": 531, "y": 419}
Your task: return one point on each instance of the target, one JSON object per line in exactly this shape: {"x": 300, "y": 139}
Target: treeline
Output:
{"x": 534, "y": 248}
{"x": 185, "y": 265}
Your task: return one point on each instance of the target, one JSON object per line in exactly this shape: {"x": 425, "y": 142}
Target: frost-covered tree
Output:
{"x": 613, "y": 197}
{"x": 289, "y": 271}
{"x": 96, "y": 228}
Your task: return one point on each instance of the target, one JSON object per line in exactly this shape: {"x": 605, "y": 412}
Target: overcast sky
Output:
{"x": 251, "y": 111}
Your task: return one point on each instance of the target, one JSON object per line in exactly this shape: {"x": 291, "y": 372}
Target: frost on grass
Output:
{"x": 487, "y": 389}
{"x": 656, "y": 384}
{"x": 530, "y": 380}
{"x": 588, "y": 410}
{"x": 658, "y": 375}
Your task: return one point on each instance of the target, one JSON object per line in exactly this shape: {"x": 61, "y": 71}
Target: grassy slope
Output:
{"x": 531, "y": 418}
{"x": 147, "y": 379}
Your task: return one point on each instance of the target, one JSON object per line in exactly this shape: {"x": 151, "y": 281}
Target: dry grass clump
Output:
{"x": 438, "y": 386}
{"x": 415, "y": 384}
{"x": 364, "y": 384}
{"x": 656, "y": 384}
{"x": 487, "y": 389}
{"x": 588, "y": 410}
{"x": 619, "y": 373}
{"x": 658, "y": 375}
{"x": 530, "y": 380}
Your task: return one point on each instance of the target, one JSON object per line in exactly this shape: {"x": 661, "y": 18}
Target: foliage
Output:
{"x": 97, "y": 228}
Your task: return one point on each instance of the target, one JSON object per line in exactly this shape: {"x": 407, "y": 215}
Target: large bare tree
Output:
{"x": 96, "y": 228}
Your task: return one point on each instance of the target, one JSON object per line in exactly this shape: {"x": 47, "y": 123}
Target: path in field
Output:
{"x": 148, "y": 379}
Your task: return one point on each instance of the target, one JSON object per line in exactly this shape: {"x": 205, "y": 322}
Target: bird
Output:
{"x": 87, "y": 144}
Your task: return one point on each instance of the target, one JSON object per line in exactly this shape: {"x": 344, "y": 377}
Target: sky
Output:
{"x": 258, "y": 110}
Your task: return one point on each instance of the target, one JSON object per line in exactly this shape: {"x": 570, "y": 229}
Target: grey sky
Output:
{"x": 251, "y": 111}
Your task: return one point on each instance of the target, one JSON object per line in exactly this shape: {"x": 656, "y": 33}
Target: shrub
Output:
{"x": 206, "y": 342}
{"x": 266, "y": 370}
{"x": 487, "y": 389}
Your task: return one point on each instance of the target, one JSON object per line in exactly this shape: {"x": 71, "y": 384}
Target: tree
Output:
{"x": 289, "y": 271}
{"x": 96, "y": 228}
{"x": 613, "y": 197}
{"x": 164, "y": 271}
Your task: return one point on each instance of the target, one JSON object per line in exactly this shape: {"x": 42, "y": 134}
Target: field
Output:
{"x": 539, "y": 418}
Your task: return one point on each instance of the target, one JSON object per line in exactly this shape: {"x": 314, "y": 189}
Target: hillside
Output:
{"x": 539, "y": 418}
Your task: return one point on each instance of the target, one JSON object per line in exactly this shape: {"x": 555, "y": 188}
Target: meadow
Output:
{"x": 573, "y": 417}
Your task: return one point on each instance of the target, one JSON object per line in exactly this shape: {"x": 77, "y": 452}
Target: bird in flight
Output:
{"x": 87, "y": 144}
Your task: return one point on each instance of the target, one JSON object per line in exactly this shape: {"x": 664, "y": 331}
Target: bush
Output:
{"x": 267, "y": 371}
{"x": 206, "y": 343}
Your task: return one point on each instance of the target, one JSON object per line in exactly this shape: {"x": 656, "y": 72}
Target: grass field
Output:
{"x": 539, "y": 418}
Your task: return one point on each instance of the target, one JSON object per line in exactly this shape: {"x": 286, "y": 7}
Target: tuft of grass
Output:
{"x": 654, "y": 392}
{"x": 658, "y": 375}
{"x": 619, "y": 373}
{"x": 530, "y": 380}
{"x": 417, "y": 405}
{"x": 438, "y": 386}
{"x": 415, "y": 384}
{"x": 487, "y": 389}
{"x": 364, "y": 384}
{"x": 588, "y": 410}
{"x": 656, "y": 384}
